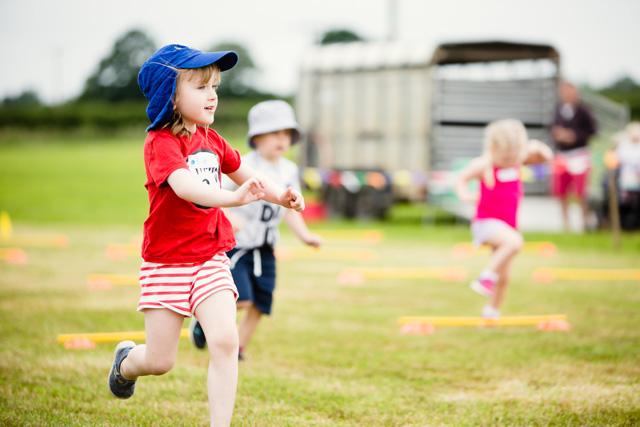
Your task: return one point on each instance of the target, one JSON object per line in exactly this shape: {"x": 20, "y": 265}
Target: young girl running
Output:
{"x": 506, "y": 148}
{"x": 185, "y": 270}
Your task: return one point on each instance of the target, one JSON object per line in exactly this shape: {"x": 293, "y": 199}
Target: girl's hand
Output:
{"x": 314, "y": 240}
{"x": 249, "y": 191}
{"x": 292, "y": 199}
{"x": 537, "y": 152}
{"x": 563, "y": 135}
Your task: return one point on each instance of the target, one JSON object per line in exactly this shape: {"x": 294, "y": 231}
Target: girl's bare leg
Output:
{"x": 217, "y": 315}
{"x": 505, "y": 243}
{"x": 158, "y": 355}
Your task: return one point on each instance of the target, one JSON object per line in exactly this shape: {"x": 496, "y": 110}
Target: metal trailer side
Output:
{"x": 366, "y": 107}
{"x": 389, "y": 107}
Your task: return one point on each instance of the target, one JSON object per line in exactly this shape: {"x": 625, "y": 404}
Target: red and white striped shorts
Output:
{"x": 181, "y": 287}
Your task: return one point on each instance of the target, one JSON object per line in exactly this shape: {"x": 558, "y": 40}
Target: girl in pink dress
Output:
{"x": 506, "y": 148}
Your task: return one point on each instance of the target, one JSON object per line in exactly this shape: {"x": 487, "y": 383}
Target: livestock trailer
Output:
{"x": 408, "y": 111}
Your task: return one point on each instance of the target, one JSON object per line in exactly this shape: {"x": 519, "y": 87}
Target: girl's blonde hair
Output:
{"x": 507, "y": 135}
{"x": 203, "y": 74}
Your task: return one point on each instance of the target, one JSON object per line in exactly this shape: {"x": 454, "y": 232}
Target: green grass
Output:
{"x": 331, "y": 354}
{"x": 89, "y": 180}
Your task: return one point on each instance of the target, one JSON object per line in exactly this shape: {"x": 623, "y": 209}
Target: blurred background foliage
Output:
{"x": 111, "y": 100}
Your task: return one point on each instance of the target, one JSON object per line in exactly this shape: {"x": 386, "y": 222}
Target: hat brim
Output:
{"x": 296, "y": 135}
{"x": 225, "y": 60}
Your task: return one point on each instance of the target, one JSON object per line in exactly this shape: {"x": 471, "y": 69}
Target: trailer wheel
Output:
{"x": 366, "y": 203}
{"x": 373, "y": 203}
{"x": 339, "y": 202}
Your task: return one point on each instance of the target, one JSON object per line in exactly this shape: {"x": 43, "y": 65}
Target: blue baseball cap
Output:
{"x": 158, "y": 75}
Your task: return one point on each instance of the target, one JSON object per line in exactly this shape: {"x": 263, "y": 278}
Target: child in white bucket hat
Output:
{"x": 272, "y": 116}
{"x": 272, "y": 130}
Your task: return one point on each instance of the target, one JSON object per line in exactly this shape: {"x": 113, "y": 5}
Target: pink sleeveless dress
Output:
{"x": 502, "y": 201}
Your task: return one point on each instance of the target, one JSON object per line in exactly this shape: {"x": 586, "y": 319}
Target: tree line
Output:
{"x": 111, "y": 97}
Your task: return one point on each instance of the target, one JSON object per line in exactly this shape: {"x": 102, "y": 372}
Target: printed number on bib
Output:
{"x": 507, "y": 174}
{"x": 204, "y": 165}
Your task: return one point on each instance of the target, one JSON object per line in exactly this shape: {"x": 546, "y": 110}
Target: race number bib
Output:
{"x": 205, "y": 166}
{"x": 507, "y": 174}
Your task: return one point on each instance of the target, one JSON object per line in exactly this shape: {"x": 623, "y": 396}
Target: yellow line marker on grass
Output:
{"x": 120, "y": 251}
{"x": 412, "y": 325}
{"x": 9, "y": 238}
{"x": 467, "y": 250}
{"x": 287, "y": 254}
{"x": 84, "y": 340}
{"x": 359, "y": 275}
{"x": 105, "y": 281}
{"x": 6, "y": 230}
{"x": 36, "y": 240}
{"x": 371, "y": 237}
{"x": 598, "y": 274}
{"x": 480, "y": 321}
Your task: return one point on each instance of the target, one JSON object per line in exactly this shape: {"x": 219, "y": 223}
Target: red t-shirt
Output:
{"x": 178, "y": 231}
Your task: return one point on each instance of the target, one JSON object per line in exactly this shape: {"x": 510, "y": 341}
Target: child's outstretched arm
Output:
{"x": 189, "y": 188}
{"x": 296, "y": 223}
{"x": 272, "y": 192}
{"x": 537, "y": 152}
{"x": 473, "y": 170}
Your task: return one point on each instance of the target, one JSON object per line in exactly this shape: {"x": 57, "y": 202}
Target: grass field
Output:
{"x": 332, "y": 354}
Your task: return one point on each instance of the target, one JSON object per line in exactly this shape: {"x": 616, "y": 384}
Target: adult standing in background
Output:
{"x": 573, "y": 125}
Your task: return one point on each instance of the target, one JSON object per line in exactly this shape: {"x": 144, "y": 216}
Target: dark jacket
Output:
{"x": 582, "y": 123}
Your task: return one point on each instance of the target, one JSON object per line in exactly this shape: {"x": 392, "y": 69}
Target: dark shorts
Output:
{"x": 254, "y": 284}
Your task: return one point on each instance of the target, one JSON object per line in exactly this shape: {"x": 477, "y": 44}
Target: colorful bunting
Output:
{"x": 352, "y": 181}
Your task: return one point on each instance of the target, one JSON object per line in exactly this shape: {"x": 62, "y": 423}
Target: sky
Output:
{"x": 53, "y": 46}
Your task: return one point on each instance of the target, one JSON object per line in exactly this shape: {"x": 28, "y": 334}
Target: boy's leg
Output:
{"x": 564, "y": 208}
{"x": 249, "y": 325}
{"x": 158, "y": 355}
{"x": 217, "y": 315}
{"x": 261, "y": 298}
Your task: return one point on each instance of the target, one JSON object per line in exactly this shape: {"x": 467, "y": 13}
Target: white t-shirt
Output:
{"x": 629, "y": 155}
{"x": 261, "y": 218}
